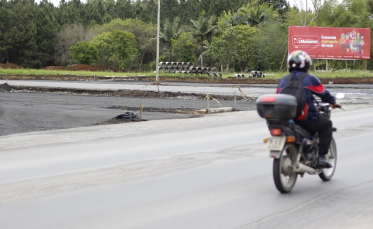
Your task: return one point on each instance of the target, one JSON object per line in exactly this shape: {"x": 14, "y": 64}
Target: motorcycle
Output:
{"x": 293, "y": 149}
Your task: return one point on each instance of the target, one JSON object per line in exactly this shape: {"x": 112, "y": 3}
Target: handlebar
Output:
{"x": 319, "y": 103}
{"x": 338, "y": 106}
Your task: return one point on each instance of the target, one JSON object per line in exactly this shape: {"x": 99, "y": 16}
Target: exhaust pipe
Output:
{"x": 301, "y": 168}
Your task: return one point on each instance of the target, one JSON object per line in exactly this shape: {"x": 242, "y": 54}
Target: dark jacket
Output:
{"x": 312, "y": 86}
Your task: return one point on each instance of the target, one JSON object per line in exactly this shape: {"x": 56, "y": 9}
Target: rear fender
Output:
{"x": 275, "y": 154}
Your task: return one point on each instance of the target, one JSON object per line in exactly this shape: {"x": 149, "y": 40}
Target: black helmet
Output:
{"x": 299, "y": 60}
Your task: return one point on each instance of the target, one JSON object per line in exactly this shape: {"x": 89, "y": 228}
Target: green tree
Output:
{"x": 353, "y": 13}
{"x": 272, "y": 43}
{"x": 84, "y": 53}
{"x": 220, "y": 52}
{"x": 241, "y": 40}
{"x": 220, "y": 7}
{"x": 308, "y": 17}
{"x": 170, "y": 9}
{"x": 70, "y": 12}
{"x": 116, "y": 48}
{"x": 326, "y": 17}
{"x": 184, "y": 48}
{"x": 143, "y": 32}
{"x": 150, "y": 12}
{"x": 294, "y": 17}
{"x": 235, "y": 46}
{"x": 5, "y": 25}
{"x": 189, "y": 9}
{"x": 228, "y": 19}
{"x": 208, "y": 6}
{"x": 46, "y": 27}
{"x": 257, "y": 14}
{"x": 109, "y": 11}
{"x": 93, "y": 14}
{"x": 124, "y": 9}
{"x": 234, "y": 5}
{"x": 282, "y": 6}
{"x": 203, "y": 29}
{"x": 207, "y": 57}
{"x": 169, "y": 32}
{"x": 22, "y": 33}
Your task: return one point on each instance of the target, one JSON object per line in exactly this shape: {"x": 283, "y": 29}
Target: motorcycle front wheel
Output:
{"x": 283, "y": 173}
{"x": 327, "y": 174}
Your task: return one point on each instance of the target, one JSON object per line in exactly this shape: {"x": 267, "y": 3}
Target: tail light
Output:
{"x": 269, "y": 98}
{"x": 276, "y": 132}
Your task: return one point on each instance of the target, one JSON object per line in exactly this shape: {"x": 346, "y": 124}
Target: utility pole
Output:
{"x": 158, "y": 28}
{"x": 305, "y": 17}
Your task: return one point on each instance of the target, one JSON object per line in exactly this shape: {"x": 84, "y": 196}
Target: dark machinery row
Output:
{"x": 189, "y": 68}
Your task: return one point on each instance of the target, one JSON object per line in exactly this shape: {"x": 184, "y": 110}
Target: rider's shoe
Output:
{"x": 323, "y": 162}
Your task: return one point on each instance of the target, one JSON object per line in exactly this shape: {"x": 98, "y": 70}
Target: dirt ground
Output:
{"x": 10, "y": 65}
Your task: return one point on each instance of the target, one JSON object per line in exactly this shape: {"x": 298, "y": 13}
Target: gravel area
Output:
{"x": 28, "y": 112}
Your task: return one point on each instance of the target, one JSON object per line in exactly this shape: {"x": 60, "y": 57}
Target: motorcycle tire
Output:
{"x": 283, "y": 173}
{"x": 327, "y": 174}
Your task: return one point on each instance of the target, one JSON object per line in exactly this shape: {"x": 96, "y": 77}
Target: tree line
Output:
{"x": 234, "y": 35}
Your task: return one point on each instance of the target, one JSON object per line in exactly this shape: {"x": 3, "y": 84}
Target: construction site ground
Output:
{"x": 25, "y": 109}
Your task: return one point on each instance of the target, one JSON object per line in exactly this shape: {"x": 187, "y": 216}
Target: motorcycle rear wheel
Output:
{"x": 327, "y": 174}
{"x": 283, "y": 173}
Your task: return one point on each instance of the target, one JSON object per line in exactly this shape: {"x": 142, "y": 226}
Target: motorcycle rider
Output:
{"x": 297, "y": 63}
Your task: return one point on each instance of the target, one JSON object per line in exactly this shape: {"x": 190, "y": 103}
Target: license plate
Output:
{"x": 276, "y": 143}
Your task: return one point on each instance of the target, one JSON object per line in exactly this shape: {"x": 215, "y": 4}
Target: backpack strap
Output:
{"x": 290, "y": 78}
{"x": 300, "y": 78}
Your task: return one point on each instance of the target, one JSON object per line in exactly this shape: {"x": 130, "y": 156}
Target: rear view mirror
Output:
{"x": 340, "y": 96}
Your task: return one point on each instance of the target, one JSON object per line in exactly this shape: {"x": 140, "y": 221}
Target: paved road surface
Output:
{"x": 214, "y": 89}
{"x": 211, "y": 172}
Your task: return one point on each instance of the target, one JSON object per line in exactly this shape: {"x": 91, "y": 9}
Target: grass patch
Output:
{"x": 42, "y": 72}
{"x": 343, "y": 74}
{"x": 268, "y": 75}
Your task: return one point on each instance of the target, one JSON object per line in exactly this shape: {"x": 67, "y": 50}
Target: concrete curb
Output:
{"x": 216, "y": 110}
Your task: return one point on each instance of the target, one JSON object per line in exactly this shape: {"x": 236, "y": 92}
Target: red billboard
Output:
{"x": 330, "y": 42}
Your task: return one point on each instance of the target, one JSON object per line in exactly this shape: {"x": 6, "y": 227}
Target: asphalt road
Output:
{"x": 207, "y": 172}
{"x": 210, "y": 172}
